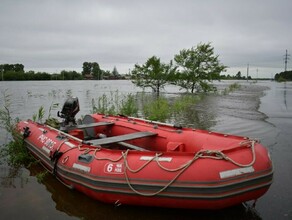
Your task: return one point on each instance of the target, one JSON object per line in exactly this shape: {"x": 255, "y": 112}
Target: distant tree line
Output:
{"x": 91, "y": 70}
{"x": 237, "y": 76}
{"x": 9, "y": 72}
{"x": 284, "y": 76}
{"x": 12, "y": 67}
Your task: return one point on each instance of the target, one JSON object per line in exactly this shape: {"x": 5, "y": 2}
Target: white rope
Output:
{"x": 252, "y": 144}
{"x": 140, "y": 168}
{"x": 163, "y": 188}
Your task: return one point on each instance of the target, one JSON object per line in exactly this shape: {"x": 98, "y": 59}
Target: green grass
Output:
{"x": 231, "y": 88}
{"x": 146, "y": 105}
{"x": 157, "y": 110}
{"x": 15, "y": 154}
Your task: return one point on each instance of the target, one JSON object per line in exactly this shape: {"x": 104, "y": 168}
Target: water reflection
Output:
{"x": 187, "y": 110}
{"x": 285, "y": 96}
{"x": 12, "y": 177}
{"x": 198, "y": 115}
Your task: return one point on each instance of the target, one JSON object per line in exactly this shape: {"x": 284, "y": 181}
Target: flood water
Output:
{"x": 260, "y": 110}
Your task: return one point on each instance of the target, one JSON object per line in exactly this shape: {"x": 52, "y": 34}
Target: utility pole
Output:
{"x": 286, "y": 58}
{"x": 247, "y": 72}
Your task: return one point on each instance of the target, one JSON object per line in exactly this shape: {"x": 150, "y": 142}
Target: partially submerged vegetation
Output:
{"x": 143, "y": 105}
{"x": 148, "y": 106}
{"x": 192, "y": 70}
{"x": 232, "y": 87}
{"x": 6, "y": 120}
{"x": 14, "y": 153}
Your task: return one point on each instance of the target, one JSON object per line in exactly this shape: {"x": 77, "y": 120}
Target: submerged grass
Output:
{"x": 14, "y": 153}
{"x": 129, "y": 106}
{"x": 157, "y": 110}
{"x": 144, "y": 105}
{"x": 115, "y": 104}
{"x": 41, "y": 176}
{"x": 231, "y": 88}
{"x": 39, "y": 116}
{"x": 150, "y": 107}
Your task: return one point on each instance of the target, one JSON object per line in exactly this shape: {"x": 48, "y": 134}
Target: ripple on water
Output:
{"x": 237, "y": 113}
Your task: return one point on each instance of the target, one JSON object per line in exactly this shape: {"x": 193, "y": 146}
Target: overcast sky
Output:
{"x": 54, "y": 35}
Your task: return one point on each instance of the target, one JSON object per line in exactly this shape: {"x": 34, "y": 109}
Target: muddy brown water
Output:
{"x": 260, "y": 110}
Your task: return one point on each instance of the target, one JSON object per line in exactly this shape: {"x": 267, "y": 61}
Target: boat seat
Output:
{"x": 131, "y": 146}
{"x": 121, "y": 138}
{"x": 97, "y": 124}
{"x": 90, "y": 125}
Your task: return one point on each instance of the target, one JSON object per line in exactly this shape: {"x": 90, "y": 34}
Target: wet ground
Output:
{"x": 259, "y": 110}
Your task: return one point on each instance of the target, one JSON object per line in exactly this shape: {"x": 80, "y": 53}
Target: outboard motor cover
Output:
{"x": 69, "y": 110}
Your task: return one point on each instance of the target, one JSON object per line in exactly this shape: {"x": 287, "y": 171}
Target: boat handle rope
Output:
{"x": 203, "y": 154}
{"x": 200, "y": 154}
{"x": 106, "y": 158}
{"x": 219, "y": 155}
{"x": 65, "y": 159}
{"x": 85, "y": 149}
{"x": 182, "y": 169}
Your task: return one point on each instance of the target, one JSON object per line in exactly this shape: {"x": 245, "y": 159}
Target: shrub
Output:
{"x": 158, "y": 110}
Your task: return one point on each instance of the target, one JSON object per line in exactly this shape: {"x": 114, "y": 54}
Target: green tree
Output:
{"x": 12, "y": 71}
{"x": 115, "y": 72}
{"x": 153, "y": 74}
{"x": 12, "y": 67}
{"x": 86, "y": 68}
{"x": 18, "y": 67}
{"x": 197, "y": 67}
{"x": 284, "y": 76}
{"x": 238, "y": 75}
{"x": 92, "y": 69}
{"x": 67, "y": 75}
{"x": 96, "y": 71}
{"x": 106, "y": 74}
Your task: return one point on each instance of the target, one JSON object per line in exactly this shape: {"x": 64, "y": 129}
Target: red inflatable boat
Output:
{"x": 123, "y": 160}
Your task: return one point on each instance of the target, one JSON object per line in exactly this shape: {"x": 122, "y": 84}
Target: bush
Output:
{"x": 158, "y": 110}
{"x": 129, "y": 106}
{"x": 16, "y": 154}
{"x": 114, "y": 104}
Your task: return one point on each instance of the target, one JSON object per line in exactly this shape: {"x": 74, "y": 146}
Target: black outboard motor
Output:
{"x": 69, "y": 110}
